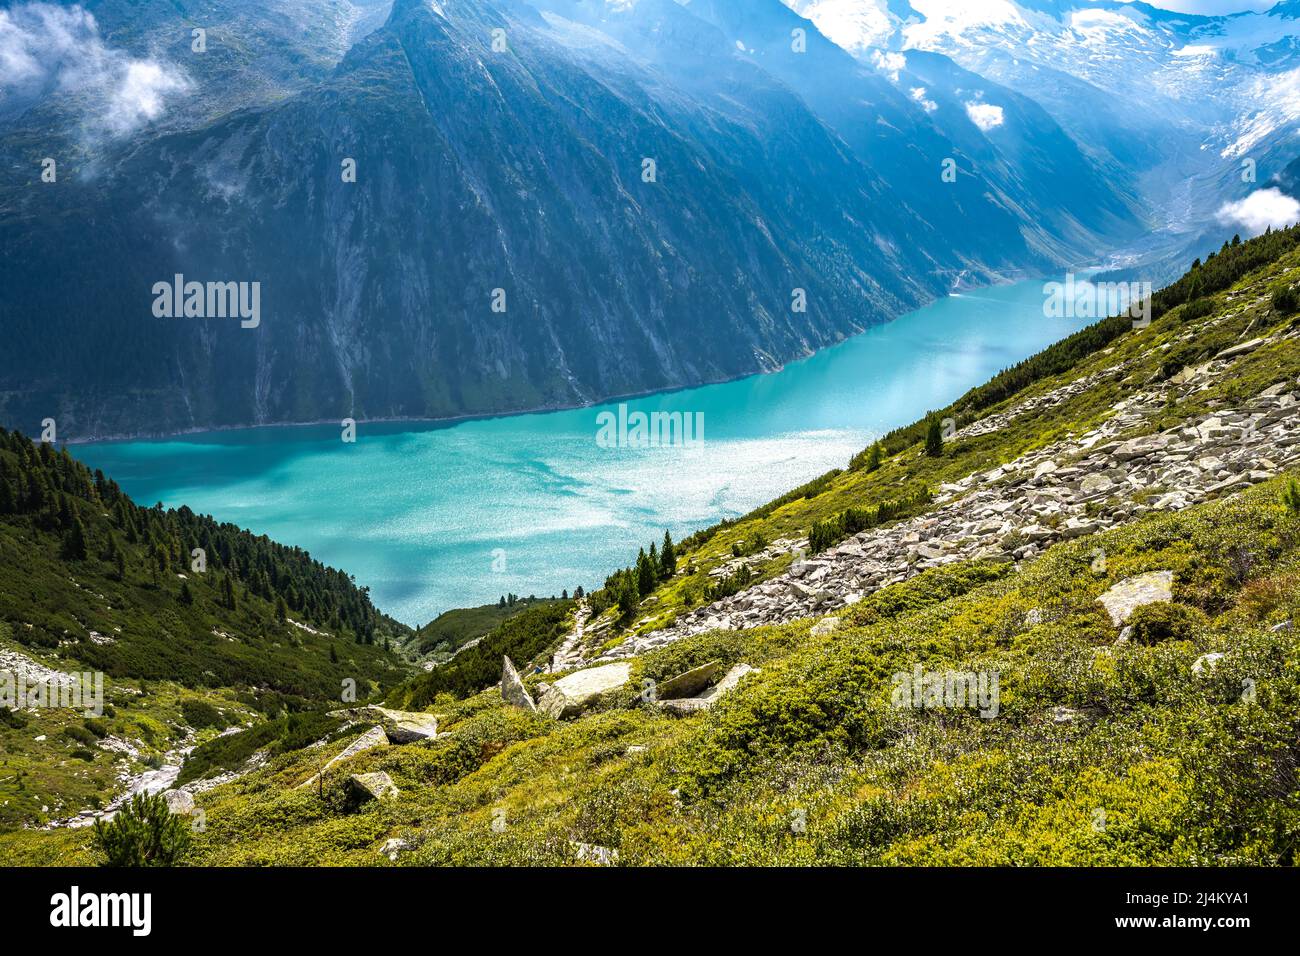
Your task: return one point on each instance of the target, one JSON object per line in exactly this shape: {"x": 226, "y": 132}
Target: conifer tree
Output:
{"x": 934, "y": 439}
{"x": 667, "y": 557}
{"x": 74, "y": 541}
{"x": 874, "y": 457}
{"x": 645, "y": 574}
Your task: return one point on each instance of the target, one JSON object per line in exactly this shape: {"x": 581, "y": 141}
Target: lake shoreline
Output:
{"x": 439, "y": 514}
{"x": 1002, "y": 280}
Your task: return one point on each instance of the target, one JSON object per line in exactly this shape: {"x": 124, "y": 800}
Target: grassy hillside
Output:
{"x": 524, "y": 636}
{"x": 1231, "y": 300}
{"x": 451, "y": 630}
{"x": 809, "y": 763}
{"x": 90, "y": 581}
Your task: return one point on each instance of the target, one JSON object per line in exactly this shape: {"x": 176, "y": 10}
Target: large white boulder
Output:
{"x": 574, "y": 693}
{"x": 513, "y": 690}
{"x": 373, "y": 786}
{"x": 1130, "y": 594}
{"x": 689, "y": 683}
{"x": 179, "y": 801}
{"x": 401, "y": 726}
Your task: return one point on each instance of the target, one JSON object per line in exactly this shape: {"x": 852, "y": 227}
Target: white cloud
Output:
{"x": 984, "y": 115}
{"x": 52, "y": 51}
{"x": 1261, "y": 209}
{"x": 918, "y": 94}
{"x": 140, "y": 97}
{"x": 889, "y": 63}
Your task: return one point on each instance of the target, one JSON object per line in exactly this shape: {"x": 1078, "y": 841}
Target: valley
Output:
{"x": 434, "y": 516}
{"x": 1106, "y": 544}
{"x": 649, "y": 433}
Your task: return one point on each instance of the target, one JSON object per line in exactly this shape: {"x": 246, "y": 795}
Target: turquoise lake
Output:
{"x": 433, "y": 516}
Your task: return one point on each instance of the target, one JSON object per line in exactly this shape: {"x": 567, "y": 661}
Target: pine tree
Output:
{"x": 934, "y": 439}
{"x": 645, "y": 574}
{"x": 1291, "y": 497}
{"x": 874, "y": 457}
{"x": 668, "y": 557}
{"x": 187, "y": 596}
{"x": 74, "y": 542}
{"x": 627, "y": 598}
{"x": 143, "y": 833}
{"x": 281, "y": 609}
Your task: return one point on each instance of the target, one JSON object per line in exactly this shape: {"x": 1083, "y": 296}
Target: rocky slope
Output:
{"x": 1063, "y": 491}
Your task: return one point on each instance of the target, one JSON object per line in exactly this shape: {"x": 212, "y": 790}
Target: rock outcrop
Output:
{"x": 400, "y": 726}
{"x": 513, "y": 691}
{"x": 574, "y": 693}
{"x": 689, "y": 705}
{"x": 689, "y": 683}
{"x": 373, "y": 786}
{"x": 1130, "y": 594}
{"x": 179, "y": 801}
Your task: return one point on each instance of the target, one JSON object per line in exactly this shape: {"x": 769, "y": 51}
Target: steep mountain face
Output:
{"x": 1196, "y": 112}
{"x": 506, "y": 243}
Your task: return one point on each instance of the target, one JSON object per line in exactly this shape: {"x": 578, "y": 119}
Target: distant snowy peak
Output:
{"x": 1036, "y": 26}
{"x": 855, "y": 25}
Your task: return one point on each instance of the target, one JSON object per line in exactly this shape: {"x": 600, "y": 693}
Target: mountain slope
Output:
{"x": 194, "y": 626}
{"x": 1113, "y": 722}
{"x": 499, "y": 249}
{"x": 1196, "y": 112}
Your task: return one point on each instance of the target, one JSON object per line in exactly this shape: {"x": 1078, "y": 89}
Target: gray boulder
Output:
{"x": 513, "y": 691}
{"x": 179, "y": 801}
{"x": 401, "y": 726}
{"x": 691, "y": 705}
{"x": 373, "y": 786}
{"x": 574, "y": 693}
{"x": 689, "y": 683}
{"x": 1130, "y": 594}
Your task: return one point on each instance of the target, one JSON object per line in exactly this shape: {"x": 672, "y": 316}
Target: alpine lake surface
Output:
{"x": 437, "y": 515}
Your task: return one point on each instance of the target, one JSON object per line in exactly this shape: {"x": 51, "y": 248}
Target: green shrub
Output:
{"x": 1164, "y": 621}
{"x": 1284, "y": 298}
{"x": 143, "y": 833}
{"x": 199, "y": 714}
{"x": 1291, "y": 497}
{"x": 80, "y": 735}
